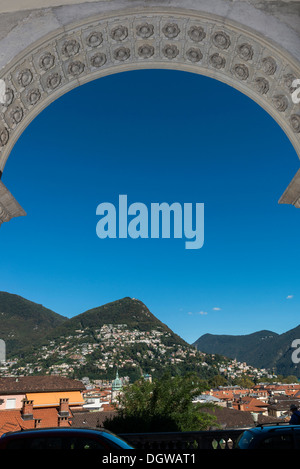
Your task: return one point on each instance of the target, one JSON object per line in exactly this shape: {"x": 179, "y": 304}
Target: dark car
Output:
{"x": 63, "y": 438}
{"x": 270, "y": 437}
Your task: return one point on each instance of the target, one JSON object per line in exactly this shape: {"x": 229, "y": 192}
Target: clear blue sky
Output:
{"x": 157, "y": 136}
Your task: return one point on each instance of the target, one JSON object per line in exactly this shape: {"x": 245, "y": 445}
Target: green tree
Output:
{"x": 163, "y": 405}
{"x": 218, "y": 380}
{"x": 290, "y": 379}
{"x": 244, "y": 381}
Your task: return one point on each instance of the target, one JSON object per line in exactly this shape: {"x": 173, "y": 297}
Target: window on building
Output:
{"x": 10, "y": 403}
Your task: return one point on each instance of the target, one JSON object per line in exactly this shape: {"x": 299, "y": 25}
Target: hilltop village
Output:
{"x": 133, "y": 352}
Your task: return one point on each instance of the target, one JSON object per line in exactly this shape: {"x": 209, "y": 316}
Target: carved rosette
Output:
{"x": 288, "y": 81}
{"x": 221, "y": 40}
{"x": 170, "y": 51}
{"x": 70, "y": 48}
{"x": 4, "y": 136}
{"x": 119, "y": 33}
{"x": 194, "y": 54}
{"x": 241, "y": 71}
{"x": 146, "y": 51}
{"x": 217, "y": 61}
{"x": 280, "y": 102}
{"x": 16, "y": 114}
{"x": 9, "y": 96}
{"x": 33, "y": 96}
{"x": 269, "y": 65}
{"x": 94, "y": 39}
{"x": 76, "y": 68}
{"x": 75, "y": 53}
{"x": 245, "y": 51}
{"x": 25, "y": 77}
{"x": 196, "y": 33}
{"x": 295, "y": 123}
{"x": 47, "y": 61}
{"x": 53, "y": 81}
{"x": 171, "y": 30}
{"x": 122, "y": 53}
{"x": 98, "y": 60}
{"x": 145, "y": 30}
{"x": 261, "y": 85}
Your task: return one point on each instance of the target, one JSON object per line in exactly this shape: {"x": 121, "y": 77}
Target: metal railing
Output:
{"x": 214, "y": 439}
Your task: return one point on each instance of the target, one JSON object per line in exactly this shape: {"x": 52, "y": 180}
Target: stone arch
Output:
{"x": 124, "y": 40}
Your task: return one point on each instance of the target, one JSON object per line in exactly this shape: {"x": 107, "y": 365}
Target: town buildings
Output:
{"x": 38, "y": 401}
{"x": 264, "y": 402}
{"x": 53, "y": 401}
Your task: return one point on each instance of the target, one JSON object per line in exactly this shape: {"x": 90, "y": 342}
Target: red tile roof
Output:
{"x": 250, "y": 404}
{"x": 48, "y": 417}
{"x": 11, "y": 421}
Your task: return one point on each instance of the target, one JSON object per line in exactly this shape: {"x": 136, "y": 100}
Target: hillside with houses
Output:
{"x": 123, "y": 334}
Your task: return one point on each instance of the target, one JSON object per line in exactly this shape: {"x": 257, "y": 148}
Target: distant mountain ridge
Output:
{"x": 122, "y": 334}
{"x": 263, "y": 349}
{"x": 28, "y": 327}
{"x": 24, "y": 323}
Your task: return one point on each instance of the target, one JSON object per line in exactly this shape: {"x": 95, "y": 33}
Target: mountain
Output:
{"x": 121, "y": 335}
{"x": 129, "y": 311}
{"x": 238, "y": 346}
{"x": 263, "y": 349}
{"x": 23, "y": 322}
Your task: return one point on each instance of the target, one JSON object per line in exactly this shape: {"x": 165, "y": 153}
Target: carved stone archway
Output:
{"x": 154, "y": 37}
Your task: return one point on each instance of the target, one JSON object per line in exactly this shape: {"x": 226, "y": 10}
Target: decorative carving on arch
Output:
{"x": 99, "y": 46}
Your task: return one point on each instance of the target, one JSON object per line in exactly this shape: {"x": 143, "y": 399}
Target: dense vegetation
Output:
{"x": 162, "y": 405}
{"x": 23, "y": 322}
